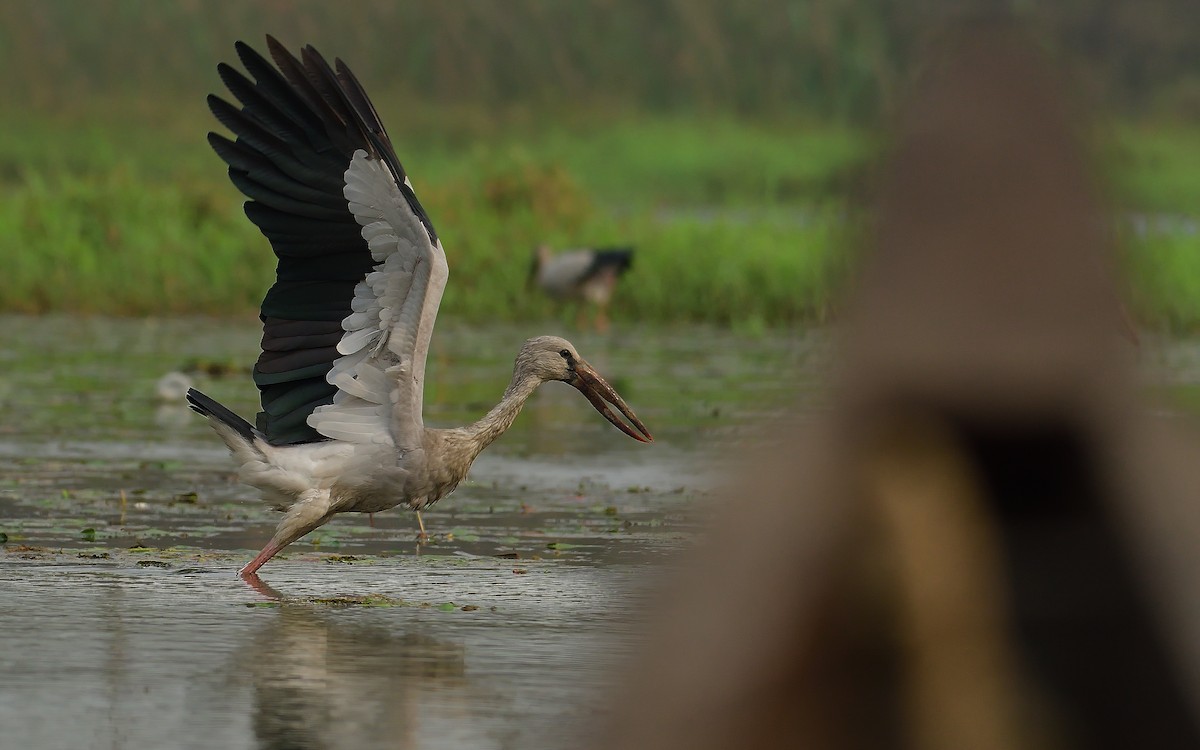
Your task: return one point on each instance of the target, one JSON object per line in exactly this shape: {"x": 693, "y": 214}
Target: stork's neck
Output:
{"x": 497, "y": 421}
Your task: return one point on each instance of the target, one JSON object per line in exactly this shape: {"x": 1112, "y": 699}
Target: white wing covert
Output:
{"x": 381, "y": 373}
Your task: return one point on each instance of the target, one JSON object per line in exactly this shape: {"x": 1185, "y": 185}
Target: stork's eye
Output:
{"x": 565, "y": 354}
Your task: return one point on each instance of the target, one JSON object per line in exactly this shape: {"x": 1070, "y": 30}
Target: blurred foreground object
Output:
{"x": 588, "y": 276}
{"x": 983, "y": 544}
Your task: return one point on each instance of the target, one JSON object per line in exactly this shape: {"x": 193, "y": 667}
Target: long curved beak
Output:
{"x": 597, "y": 391}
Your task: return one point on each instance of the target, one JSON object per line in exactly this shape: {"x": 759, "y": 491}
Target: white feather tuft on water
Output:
{"x": 173, "y": 386}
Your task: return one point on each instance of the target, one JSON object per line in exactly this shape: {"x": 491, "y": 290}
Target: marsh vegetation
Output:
{"x": 743, "y": 179}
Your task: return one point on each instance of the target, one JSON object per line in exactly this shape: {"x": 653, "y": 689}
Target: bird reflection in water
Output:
{"x": 320, "y": 681}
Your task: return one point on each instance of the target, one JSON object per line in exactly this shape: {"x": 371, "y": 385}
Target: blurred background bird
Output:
{"x": 587, "y": 276}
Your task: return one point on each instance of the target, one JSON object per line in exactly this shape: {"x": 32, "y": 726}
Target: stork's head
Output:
{"x": 553, "y": 358}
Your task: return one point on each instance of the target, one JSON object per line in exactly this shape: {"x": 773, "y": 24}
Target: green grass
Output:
{"x": 104, "y": 221}
{"x": 112, "y": 243}
{"x": 1155, "y": 169}
{"x": 712, "y": 162}
{"x": 734, "y": 223}
{"x": 1165, "y": 274}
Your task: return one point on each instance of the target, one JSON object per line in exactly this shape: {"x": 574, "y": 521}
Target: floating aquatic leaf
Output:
{"x": 88, "y": 534}
{"x": 355, "y": 600}
{"x": 447, "y": 607}
{"x": 560, "y": 546}
{"x": 3, "y": 537}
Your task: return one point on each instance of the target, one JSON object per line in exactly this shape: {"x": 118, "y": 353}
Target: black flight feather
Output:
{"x": 361, "y": 103}
{"x": 272, "y": 85}
{"x": 301, "y": 182}
{"x": 294, "y": 72}
{"x": 329, "y": 88}
{"x": 298, "y": 126}
{"x": 257, "y": 105}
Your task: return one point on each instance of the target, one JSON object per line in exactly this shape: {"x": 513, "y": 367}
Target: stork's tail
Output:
{"x": 204, "y": 405}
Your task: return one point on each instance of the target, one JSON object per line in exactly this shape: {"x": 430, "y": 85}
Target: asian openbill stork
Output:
{"x": 588, "y": 275}
{"x": 346, "y": 326}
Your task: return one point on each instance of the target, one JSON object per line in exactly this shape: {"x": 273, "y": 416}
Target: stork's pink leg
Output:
{"x": 422, "y": 537}
{"x": 267, "y": 553}
{"x": 300, "y": 519}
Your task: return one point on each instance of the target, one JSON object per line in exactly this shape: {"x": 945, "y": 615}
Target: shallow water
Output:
{"x": 123, "y": 625}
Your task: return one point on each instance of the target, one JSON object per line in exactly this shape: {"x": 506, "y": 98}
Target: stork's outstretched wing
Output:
{"x": 346, "y": 325}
